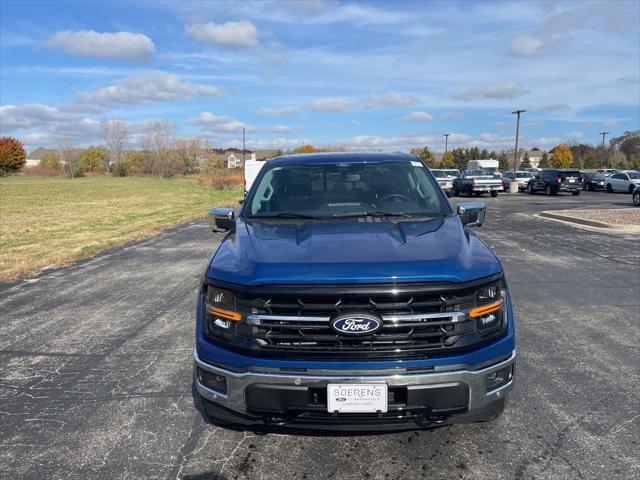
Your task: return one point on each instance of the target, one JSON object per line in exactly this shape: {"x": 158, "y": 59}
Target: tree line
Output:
{"x": 165, "y": 154}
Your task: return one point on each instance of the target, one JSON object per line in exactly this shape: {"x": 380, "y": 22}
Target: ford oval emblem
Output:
{"x": 356, "y": 324}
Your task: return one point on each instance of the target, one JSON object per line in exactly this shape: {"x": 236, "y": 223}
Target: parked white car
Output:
{"x": 624, "y": 181}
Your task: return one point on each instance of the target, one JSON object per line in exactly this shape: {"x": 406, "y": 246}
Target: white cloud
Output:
{"x": 503, "y": 125}
{"x": 528, "y": 46}
{"x": 16, "y": 117}
{"x": 219, "y": 123}
{"x": 574, "y": 135}
{"x": 240, "y": 34}
{"x": 330, "y": 105}
{"x": 114, "y": 46}
{"x": 418, "y": 116}
{"x": 391, "y": 99}
{"x": 451, "y": 116}
{"x": 611, "y": 124}
{"x": 533, "y": 125}
{"x": 555, "y": 108}
{"x": 146, "y": 87}
{"x": 275, "y": 112}
{"x": 380, "y": 143}
{"x": 278, "y": 129}
{"x": 496, "y": 91}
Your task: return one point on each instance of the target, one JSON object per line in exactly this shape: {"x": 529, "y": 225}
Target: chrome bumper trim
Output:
{"x": 237, "y": 382}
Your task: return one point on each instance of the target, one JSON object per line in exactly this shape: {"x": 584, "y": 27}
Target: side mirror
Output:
{"x": 222, "y": 219}
{"x": 472, "y": 213}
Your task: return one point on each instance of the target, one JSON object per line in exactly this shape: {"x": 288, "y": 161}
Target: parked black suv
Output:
{"x": 554, "y": 180}
{"x": 593, "y": 181}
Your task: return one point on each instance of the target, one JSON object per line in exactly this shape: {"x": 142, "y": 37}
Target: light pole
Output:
{"x": 515, "y": 153}
{"x": 602, "y": 158}
{"x": 243, "y": 149}
{"x": 446, "y": 142}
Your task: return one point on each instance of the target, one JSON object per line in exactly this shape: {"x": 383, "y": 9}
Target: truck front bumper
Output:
{"x": 298, "y": 399}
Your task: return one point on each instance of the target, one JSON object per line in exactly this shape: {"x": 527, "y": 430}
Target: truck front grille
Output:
{"x": 418, "y": 320}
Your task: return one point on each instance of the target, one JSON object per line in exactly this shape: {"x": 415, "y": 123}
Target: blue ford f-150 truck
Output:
{"x": 349, "y": 294}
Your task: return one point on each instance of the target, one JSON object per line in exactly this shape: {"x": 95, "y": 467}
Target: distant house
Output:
{"x": 34, "y": 158}
{"x": 535, "y": 156}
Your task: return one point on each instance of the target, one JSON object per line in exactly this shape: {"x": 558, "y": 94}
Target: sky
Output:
{"x": 359, "y": 75}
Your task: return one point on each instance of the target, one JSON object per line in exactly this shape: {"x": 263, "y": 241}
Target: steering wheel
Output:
{"x": 394, "y": 195}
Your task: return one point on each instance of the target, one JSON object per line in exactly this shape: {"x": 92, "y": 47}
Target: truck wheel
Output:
{"x": 631, "y": 188}
{"x": 456, "y": 192}
{"x": 609, "y": 189}
{"x": 494, "y": 193}
{"x": 576, "y": 193}
{"x": 469, "y": 192}
{"x": 636, "y": 199}
{"x": 548, "y": 190}
{"x": 529, "y": 188}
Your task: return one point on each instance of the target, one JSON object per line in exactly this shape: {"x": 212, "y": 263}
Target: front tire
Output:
{"x": 456, "y": 192}
{"x": 529, "y": 188}
{"x": 548, "y": 191}
{"x": 494, "y": 194}
{"x": 609, "y": 188}
{"x": 636, "y": 199}
{"x": 576, "y": 193}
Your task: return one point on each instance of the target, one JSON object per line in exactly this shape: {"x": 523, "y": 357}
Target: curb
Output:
{"x": 589, "y": 223}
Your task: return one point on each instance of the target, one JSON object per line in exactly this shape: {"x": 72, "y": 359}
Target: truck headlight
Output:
{"x": 221, "y": 316}
{"x": 489, "y": 310}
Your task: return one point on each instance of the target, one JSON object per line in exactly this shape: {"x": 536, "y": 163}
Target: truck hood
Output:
{"x": 351, "y": 251}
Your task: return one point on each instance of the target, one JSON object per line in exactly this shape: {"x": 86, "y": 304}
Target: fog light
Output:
{"x": 213, "y": 381}
{"x": 499, "y": 378}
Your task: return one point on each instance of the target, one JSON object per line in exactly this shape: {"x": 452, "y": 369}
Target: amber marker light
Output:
{"x": 228, "y": 314}
{"x": 486, "y": 309}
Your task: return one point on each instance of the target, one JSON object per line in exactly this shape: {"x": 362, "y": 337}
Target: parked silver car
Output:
{"x": 625, "y": 181}
{"x": 444, "y": 180}
{"x": 522, "y": 177}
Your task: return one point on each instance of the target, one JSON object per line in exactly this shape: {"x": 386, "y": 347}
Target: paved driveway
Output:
{"x": 95, "y": 369}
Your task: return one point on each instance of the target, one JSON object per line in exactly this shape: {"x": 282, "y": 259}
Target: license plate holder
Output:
{"x": 357, "y": 397}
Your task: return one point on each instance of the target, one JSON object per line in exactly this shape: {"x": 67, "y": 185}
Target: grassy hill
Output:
{"x": 48, "y": 221}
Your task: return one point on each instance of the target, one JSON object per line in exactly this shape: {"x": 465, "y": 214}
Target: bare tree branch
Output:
{"x": 115, "y": 132}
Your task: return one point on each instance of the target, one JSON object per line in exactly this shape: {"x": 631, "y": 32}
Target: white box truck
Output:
{"x": 489, "y": 165}
{"x": 251, "y": 170}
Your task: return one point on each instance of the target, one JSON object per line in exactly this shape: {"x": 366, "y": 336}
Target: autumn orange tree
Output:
{"x": 562, "y": 156}
{"x": 12, "y": 156}
{"x": 306, "y": 149}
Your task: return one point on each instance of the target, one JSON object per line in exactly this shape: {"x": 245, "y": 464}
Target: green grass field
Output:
{"x": 48, "y": 221}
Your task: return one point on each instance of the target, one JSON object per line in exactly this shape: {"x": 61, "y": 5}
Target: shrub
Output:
{"x": 39, "y": 171}
{"x": 12, "y": 155}
{"x": 221, "y": 182}
{"x": 93, "y": 159}
{"x": 50, "y": 160}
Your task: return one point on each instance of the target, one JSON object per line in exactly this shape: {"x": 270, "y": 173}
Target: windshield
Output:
{"x": 523, "y": 175}
{"x": 345, "y": 189}
{"x": 453, "y": 173}
{"x": 439, "y": 174}
{"x": 633, "y": 175}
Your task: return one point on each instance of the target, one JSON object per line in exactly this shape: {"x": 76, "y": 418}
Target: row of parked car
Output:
{"x": 549, "y": 181}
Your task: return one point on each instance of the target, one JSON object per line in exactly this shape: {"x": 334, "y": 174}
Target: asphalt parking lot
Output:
{"x": 95, "y": 369}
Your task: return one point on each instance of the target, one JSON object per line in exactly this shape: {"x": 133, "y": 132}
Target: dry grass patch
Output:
{"x": 52, "y": 221}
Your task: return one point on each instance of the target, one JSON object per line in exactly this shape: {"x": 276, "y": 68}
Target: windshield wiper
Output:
{"x": 375, "y": 213}
{"x": 288, "y": 215}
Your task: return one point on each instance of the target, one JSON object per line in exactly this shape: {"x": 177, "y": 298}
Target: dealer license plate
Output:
{"x": 357, "y": 397}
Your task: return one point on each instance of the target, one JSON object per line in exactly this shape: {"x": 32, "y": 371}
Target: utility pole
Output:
{"x": 602, "y": 158}
{"x": 243, "y": 149}
{"x": 446, "y": 142}
{"x": 515, "y": 153}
